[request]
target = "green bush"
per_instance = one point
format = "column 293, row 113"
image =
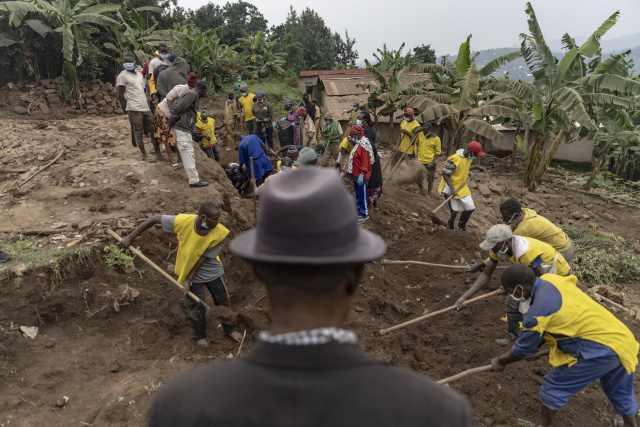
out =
column 277, row 90
column 602, row 260
column 116, row 257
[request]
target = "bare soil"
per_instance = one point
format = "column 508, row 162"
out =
column 110, row 364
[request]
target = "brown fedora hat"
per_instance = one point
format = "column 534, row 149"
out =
column 307, row 217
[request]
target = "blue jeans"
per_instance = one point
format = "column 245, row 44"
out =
column 212, row 152
column 564, row 381
column 269, row 132
column 361, row 198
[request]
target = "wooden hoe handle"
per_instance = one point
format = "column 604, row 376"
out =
column 158, row 269
column 436, row 313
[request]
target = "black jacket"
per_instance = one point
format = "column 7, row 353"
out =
column 323, row 385
column 187, row 108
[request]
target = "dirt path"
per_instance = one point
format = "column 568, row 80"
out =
column 110, row 364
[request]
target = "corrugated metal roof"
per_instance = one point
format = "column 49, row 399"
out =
column 340, row 106
column 353, row 72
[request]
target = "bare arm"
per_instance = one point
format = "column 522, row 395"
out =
column 147, row 224
column 499, row 363
column 120, row 96
column 447, row 179
column 187, row 282
column 480, row 282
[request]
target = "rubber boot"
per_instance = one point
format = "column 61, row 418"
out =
column 507, row 341
column 464, row 217
column 452, row 218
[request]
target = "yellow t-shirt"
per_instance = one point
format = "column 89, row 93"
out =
column 581, row 317
column 404, row 143
column 247, row 104
column 191, row 245
column 459, row 175
column 428, row 148
column 526, row 250
column 208, row 130
column 540, row 228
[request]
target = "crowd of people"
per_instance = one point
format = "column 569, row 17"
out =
column 307, row 369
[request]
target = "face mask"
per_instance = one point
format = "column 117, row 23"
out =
column 355, row 108
column 230, row 100
column 164, row 55
column 524, row 306
column 520, row 299
column 261, row 101
column 243, row 93
column 512, row 219
column 408, row 119
column 472, row 157
column 503, row 251
column 358, row 122
column 205, row 226
column 204, row 120
column 129, row 66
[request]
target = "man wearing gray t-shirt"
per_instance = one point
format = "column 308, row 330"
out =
column 197, row 265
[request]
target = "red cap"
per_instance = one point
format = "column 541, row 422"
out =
column 192, row 79
column 301, row 111
column 476, row 147
column 409, row 112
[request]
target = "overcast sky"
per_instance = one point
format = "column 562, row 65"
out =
column 446, row 24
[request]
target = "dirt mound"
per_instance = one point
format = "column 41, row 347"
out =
column 109, row 363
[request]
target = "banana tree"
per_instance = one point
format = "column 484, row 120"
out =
column 458, row 101
column 259, row 54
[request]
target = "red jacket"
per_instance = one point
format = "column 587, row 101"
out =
column 361, row 163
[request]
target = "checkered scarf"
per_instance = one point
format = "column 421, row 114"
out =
column 366, row 144
column 311, row 337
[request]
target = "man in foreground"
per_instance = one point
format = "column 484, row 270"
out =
column 587, row 342
column 197, row 262
column 184, row 116
column 307, row 371
column 132, row 97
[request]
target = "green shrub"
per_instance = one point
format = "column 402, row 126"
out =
column 116, row 257
column 602, row 260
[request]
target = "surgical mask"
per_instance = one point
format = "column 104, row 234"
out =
column 358, row 122
column 512, row 219
column 164, row 55
column 261, row 101
column 520, row 299
column 205, row 226
column 230, row 100
column 243, row 93
column 355, row 108
column 524, row 306
column 408, row 119
column 472, row 157
column 129, row 66
column 503, row 251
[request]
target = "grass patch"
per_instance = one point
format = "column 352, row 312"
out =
column 31, row 251
column 277, row 91
column 116, row 257
column 601, row 260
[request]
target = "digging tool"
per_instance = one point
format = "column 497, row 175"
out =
column 413, row 138
column 434, row 217
column 253, row 183
column 392, row 153
column 158, row 269
column 481, row 369
column 428, row 264
column 40, row 170
column 436, row 313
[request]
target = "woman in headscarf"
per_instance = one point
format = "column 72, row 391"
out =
column 359, row 170
column 375, row 183
column 292, row 118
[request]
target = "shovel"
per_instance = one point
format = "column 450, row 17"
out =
column 434, row 217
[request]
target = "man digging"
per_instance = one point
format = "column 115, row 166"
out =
column 197, row 263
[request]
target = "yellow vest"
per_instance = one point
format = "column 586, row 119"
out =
column 459, row 176
column 526, row 249
column 152, row 85
column 409, row 127
column 191, row 245
column 540, row 228
column 581, row 317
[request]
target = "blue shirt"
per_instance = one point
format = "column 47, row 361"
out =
column 545, row 301
column 251, row 146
